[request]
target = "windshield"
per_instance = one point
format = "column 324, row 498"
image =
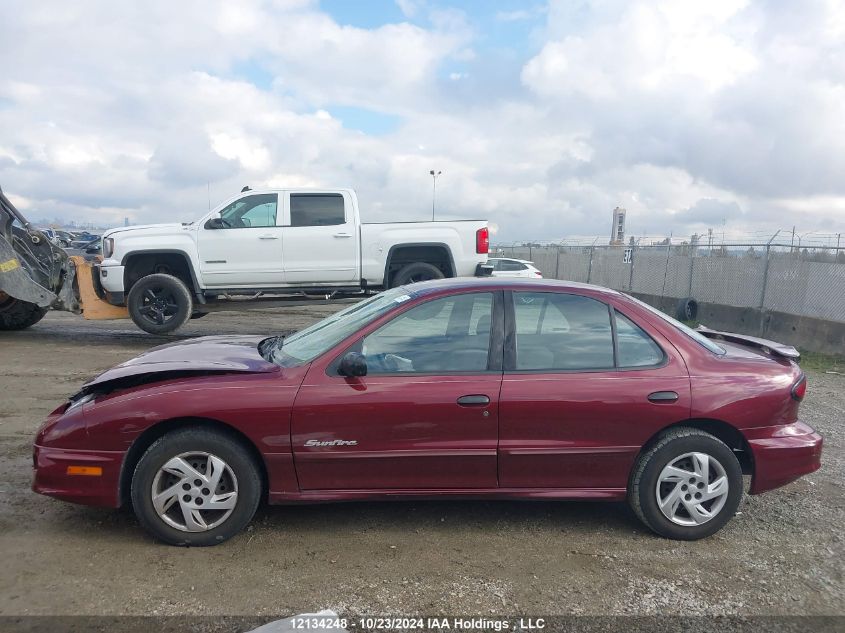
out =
column 307, row 344
column 696, row 336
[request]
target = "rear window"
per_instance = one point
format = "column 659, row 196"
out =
column 696, row 336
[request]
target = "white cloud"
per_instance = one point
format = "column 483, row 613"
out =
column 409, row 8
column 678, row 111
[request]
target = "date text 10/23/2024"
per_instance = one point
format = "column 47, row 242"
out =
column 336, row 623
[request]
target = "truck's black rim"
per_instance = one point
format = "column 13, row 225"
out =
column 158, row 305
column 421, row 276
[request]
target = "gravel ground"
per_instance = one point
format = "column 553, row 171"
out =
column 782, row 555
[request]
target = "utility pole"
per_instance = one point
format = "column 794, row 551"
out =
column 434, row 176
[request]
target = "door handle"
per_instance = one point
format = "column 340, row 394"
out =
column 475, row 400
column 663, row 396
column 268, row 237
column 342, row 235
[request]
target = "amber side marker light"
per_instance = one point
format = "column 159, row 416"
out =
column 90, row 471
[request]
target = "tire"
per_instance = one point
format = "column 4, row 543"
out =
column 19, row 315
column 159, row 303
column 240, row 475
column 672, row 449
column 687, row 309
column 413, row 273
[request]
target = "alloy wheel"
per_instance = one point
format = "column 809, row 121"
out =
column 158, row 304
column 419, row 277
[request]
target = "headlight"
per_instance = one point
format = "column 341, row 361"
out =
column 108, row 247
column 78, row 402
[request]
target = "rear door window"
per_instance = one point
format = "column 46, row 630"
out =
column 558, row 331
column 317, row 209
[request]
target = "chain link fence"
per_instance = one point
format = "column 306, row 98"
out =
column 807, row 281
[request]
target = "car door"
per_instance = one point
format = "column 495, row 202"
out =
column 584, row 387
column 321, row 241
column 425, row 417
column 244, row 249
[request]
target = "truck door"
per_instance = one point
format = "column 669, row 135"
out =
column 321, row 239
column 244, row 247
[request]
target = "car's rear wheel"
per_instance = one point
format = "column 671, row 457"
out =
column 416, row 272
column 195, row 487
column 159, row 303
column 687, row 486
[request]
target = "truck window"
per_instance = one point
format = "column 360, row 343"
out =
column 251, row 211
column 316, row 209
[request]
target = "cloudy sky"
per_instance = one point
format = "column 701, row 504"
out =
column 542, row 116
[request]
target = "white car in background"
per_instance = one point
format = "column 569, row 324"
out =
column 508, row 267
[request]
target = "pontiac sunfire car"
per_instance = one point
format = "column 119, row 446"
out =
column 458, row 388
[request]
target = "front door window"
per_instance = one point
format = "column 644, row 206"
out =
column 442, row 336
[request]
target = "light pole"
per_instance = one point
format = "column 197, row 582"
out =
column 434, row 175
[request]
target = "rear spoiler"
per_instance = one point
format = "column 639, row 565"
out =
column 786, row 351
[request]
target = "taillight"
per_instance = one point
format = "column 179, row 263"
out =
column 537, row 273
column 482, row 241
column 799, row 389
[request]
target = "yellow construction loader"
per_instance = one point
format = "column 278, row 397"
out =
column 36, row 275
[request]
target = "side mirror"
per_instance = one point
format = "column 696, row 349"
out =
column 352, row 365
column 215, row 223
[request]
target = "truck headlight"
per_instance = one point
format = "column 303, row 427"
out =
column 108, row 247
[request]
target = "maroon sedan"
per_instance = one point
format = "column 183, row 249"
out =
column 484, row 388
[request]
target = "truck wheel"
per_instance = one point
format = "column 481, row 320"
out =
column 19, row 315
column 159, row 303
column 418, row 271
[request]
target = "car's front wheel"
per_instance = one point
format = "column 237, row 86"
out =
column 687, row 486
column 195, row 487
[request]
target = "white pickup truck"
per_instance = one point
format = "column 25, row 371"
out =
column 264, row 243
